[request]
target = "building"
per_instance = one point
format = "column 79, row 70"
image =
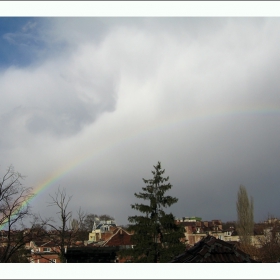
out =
column 120, row 237
column 102, row 231
column 44, row 252
column 104, row 250
column 196, row 229
column 212, row 250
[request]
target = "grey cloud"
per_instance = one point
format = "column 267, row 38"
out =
column 68, row 119
column 198, row 94
column 62, row 115
column 61, row 97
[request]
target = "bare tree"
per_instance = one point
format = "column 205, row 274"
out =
column 89, row 221
column 105, row 217
column 245, row 216
column 81, row 218
column 82, row 233
column 14, row 209
column 62, row 235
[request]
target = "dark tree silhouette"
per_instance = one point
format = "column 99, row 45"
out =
column 156, row 235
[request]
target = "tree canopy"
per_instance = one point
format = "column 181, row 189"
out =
column 245, row 216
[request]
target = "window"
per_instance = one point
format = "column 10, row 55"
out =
column 104, row 228
column 46, row 249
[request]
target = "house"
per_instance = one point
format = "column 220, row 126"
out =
column 196, row 229
column 230, row 236
column 44, row 252
column 213, row 250
column 102, row 231
column 105, row 242
column 117, row 239
column 256, row 239
column 120, row 237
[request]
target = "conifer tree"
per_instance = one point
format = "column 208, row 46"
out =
column 156, row 235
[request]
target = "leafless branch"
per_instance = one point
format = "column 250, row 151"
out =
column 14, row 208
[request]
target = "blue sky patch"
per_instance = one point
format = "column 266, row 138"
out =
column 21, row 42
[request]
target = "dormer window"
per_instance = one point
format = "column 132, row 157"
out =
column 45, row 249
column 105, row 228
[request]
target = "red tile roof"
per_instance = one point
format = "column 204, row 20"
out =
column 119, row 238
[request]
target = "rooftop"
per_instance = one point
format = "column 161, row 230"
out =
column 213, row 250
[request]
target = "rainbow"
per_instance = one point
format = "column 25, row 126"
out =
column 156, row 125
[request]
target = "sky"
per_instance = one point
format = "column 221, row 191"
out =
column 91, row 104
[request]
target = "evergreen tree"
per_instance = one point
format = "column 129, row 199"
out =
column 156, row 235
